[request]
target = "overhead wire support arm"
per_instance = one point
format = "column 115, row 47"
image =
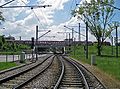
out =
column 75, row 31
column 31, row 6
column 110, row 5
column 45, row 34
column 7, row 3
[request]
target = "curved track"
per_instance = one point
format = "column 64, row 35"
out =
column 75, row 76
column 53, row 72
column 23, row 76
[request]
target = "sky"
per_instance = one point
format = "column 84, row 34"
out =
column 23, row 21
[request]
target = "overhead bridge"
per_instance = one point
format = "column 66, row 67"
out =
column 49, row 43
column 40, row 43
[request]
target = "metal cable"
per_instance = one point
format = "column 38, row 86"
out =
column 7, row 3
column 34, row 14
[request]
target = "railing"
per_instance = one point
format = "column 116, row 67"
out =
column 13, row 58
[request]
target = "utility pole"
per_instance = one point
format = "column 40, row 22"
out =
column 66, row 36
column 86, row 40
column 20, row 38
column 112, row 44
column 69, row 42
column 72, row 34
column 116, row 41
column 36, row 43
column 72, row 31
column 79, row 38
column 74, row 46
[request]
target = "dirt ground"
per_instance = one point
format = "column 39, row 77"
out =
column 109, row 81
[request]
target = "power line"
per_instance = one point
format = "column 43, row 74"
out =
column 75, row 2
column 31, row 6
column 34, row 14
column 69, row 11
column 37, row 18
column 18, row 24
column 75, row 31
column 23, row 2
column 7, row 3
column 111, row 5
column 44, row 17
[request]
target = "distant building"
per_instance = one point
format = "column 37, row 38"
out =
column 10, row 38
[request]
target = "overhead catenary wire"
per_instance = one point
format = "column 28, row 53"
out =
column 44, row 16
column 17, row 24
column 10, row 20
column 75, row 2
column 7, row 3
column 75, row 31
column 70, row 9
column 34, row 14
column 37, row 18
column 110, row 5
column 30, row 6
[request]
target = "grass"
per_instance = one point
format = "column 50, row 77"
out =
column 108, row 62
column 6, row 65
column 9, row 53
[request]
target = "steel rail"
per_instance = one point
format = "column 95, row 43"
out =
column 61, row 75
column 30, row 79
column 13, row 68
column 88, row 71
column 19, row 73
column 74, row 64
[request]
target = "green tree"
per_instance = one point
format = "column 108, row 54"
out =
column 1, row 17
column 1, row 37
column 1, row 44
column 2, row 41
column 98, row 14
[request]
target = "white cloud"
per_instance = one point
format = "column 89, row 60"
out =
column 26, row 26
column 45, row 15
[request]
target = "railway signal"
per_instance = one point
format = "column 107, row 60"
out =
column 32, row 44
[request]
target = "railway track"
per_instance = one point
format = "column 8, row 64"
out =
column 48, row 78
column 23, row 75
column 53, row 72
column 75, row 76
column 93, row 81
column 13, row 70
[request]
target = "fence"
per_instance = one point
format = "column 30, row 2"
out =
column 13, row 58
